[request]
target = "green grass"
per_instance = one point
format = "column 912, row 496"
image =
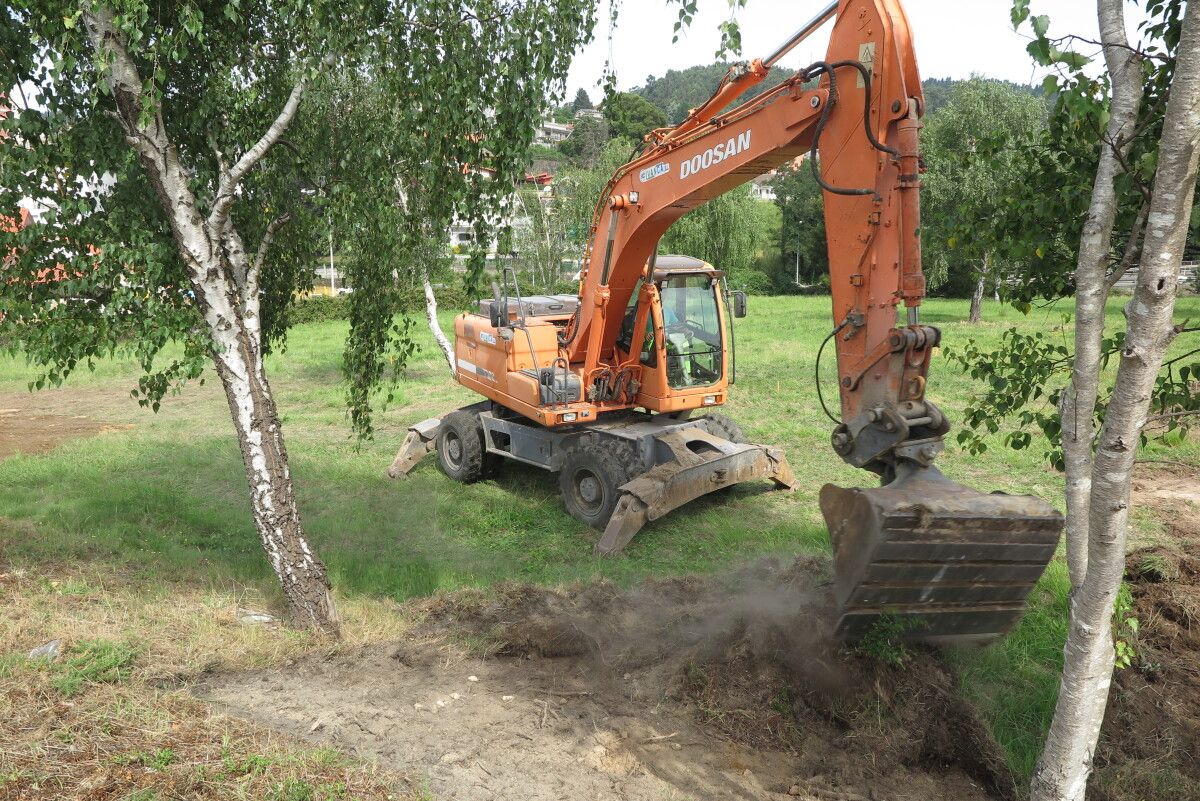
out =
column 93, row 662
column 170, row 494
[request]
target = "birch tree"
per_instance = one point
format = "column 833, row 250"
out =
column 1065, row 765
column 188, row 160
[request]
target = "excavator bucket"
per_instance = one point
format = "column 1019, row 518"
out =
column 937, row 561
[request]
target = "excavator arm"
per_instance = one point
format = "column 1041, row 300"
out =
column 949, row 562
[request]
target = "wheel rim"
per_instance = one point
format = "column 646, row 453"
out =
column 454, row 450
column 588, row 491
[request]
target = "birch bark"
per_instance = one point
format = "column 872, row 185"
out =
column 1078, row 404
column 1066, row 762
column 977, row 298
column 434, row 326
column 225, row 282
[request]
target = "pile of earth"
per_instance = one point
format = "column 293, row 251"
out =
column 688, row 688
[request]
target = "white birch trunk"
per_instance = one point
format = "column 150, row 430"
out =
column 1066, row 762
column 434, row 326
column 226, row 281
column 1078, row 403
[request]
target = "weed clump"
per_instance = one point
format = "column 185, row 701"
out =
column 884, row 641
column 97, row 662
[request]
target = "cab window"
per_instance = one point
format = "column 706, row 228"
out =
column 692, row 329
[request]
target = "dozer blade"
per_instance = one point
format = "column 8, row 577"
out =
column 948, row 563
column 701, row 463
column 421, row 440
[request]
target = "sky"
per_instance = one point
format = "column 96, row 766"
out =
column 954, row 38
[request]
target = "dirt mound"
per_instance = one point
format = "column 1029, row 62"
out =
column 726, row 687
column 21, row 432
column 1150, row 744
column 1173, row 492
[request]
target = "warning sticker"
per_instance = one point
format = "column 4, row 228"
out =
column 866, row 54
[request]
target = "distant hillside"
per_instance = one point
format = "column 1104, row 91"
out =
column 680, row 90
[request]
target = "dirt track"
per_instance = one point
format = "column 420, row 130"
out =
column 22, row 432
column 682, row 689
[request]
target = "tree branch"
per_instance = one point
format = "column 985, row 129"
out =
column 1124, row 45
column 1133, row 248
column 260, row 256
column 233, row 177
column 1172, row 415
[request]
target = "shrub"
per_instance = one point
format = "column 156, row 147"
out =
column 324, row 308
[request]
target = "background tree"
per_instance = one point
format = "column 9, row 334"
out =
column 681, row 90
column 730, row 232
column 961, row 189
column 631, row 116
column 581, row 101
column 578, row 189
column 804, row 260
column 161, row 148
column 539, row 242
column 585, row 144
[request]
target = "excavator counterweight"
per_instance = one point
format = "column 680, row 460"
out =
column 601, row 388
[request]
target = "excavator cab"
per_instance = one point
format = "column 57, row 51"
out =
column 684, row 346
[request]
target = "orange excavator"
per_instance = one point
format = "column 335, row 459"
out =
column 615, row 389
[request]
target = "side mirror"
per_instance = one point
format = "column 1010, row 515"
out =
column 497, row 315
column 739, row 304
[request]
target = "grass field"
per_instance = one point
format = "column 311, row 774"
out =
column 168, row 495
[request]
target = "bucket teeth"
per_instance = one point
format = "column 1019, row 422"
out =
column 948, row 562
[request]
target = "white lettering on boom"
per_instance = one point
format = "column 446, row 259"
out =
column 715, row 155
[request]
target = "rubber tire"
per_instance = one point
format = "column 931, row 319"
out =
column 721, row 426
column 611, row 463
column 473, row 461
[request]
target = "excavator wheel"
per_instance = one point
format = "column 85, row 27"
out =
column 460, row 448
column 721, row 426
column 591, row 477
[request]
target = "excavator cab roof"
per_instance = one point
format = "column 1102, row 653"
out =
column 665, row 266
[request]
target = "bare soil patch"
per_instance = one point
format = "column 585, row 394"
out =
column 727, row 687
column 1172, row 491
column 1150, row 745
column 23, row 432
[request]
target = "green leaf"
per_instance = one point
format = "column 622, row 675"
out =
column 1020, row 12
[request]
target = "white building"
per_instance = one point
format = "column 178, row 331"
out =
column 763, row 187
column 551, row 132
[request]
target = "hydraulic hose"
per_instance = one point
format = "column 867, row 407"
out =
column 825, row 68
